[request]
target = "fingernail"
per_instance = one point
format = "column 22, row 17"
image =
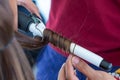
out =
column 75, row 60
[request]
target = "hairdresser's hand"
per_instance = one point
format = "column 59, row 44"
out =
column 28, row 4
column 67, row 71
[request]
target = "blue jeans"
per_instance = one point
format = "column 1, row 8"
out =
column 48, row 64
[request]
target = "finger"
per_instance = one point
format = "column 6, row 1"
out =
column 32, row 8
column 83, row 67
column 61, row 74
column 69, row 70
column 104, row 76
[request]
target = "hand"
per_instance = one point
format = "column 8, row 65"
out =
column 67, row 71
column 28, row 4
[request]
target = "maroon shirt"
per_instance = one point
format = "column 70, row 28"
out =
column 93, row 24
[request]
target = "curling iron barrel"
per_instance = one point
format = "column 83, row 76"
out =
column 26, row 23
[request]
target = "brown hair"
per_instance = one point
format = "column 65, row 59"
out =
column 29, row 42
column 13, row 62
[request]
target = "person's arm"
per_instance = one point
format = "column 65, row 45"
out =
column 67, row 70
column 28, row 4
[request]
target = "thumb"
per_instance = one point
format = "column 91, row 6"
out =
column 89, row 72
column 83, row 67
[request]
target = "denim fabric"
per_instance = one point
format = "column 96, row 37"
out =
column 48, row 64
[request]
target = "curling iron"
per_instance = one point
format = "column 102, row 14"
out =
column 37, row 27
